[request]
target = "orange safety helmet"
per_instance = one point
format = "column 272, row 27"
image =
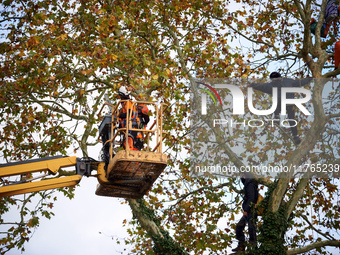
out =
column 142, row 110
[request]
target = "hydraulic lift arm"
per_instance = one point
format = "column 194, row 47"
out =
column 51, row 165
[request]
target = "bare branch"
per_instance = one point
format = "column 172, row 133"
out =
column 229, row 184
column 8, row 19
column 312, row 226
column 61, row 109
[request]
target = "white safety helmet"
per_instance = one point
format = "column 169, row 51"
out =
column 123, row 92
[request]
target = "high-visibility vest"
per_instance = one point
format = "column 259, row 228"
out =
column 126, row 106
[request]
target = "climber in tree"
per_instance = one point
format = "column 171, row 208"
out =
column 249, row 213
column 278, row 82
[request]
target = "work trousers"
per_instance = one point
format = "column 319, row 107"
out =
column 251, row 230
column 291, row 116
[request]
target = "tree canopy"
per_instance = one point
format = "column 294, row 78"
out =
column 60, row 58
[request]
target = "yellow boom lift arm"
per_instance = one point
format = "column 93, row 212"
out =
column 50, row 165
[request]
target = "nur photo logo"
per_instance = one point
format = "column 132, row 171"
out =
column 238, row 99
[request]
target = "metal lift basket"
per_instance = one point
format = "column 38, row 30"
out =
column 130, row 173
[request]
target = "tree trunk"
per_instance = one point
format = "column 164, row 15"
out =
column 163, row 243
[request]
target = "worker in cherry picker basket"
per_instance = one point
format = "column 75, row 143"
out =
column 139, row 119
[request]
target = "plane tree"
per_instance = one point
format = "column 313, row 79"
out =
column 60, row 58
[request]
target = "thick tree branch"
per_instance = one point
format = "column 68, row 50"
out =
column 334, row 115
column 298, row 193
column 300, row 9
column 148, row 224
column 313, row 134
column 334, row 243
column 333, row 73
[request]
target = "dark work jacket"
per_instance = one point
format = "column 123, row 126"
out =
column 250, row 192
column 280, row 83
